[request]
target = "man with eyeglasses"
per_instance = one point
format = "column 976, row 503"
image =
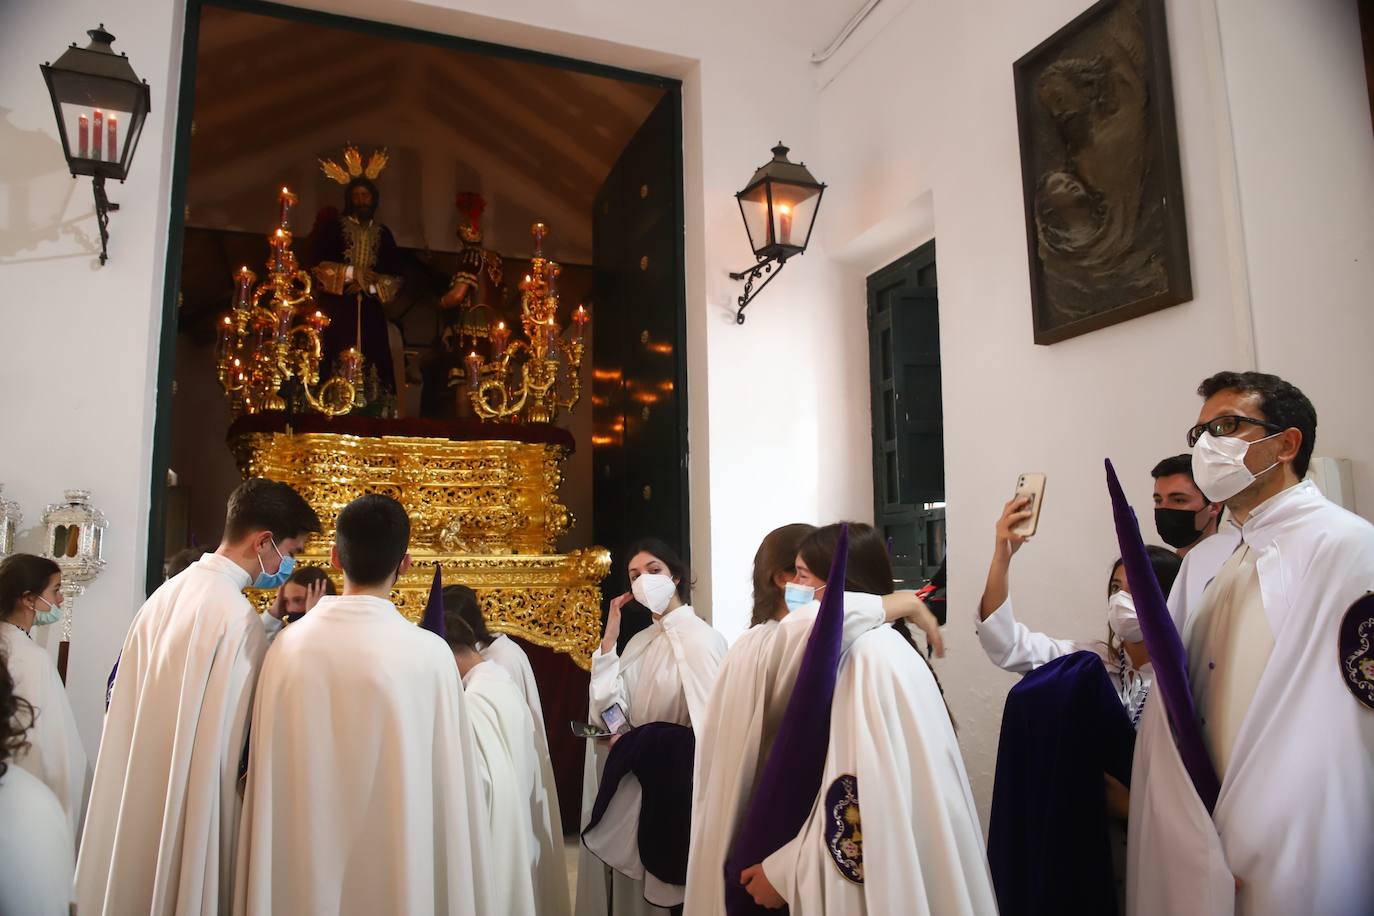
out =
column 1283, row 722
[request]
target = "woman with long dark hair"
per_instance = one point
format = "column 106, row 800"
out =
column 664, row 675
column 37, row 852
column 31, row 596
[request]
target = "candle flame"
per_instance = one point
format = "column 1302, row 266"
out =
column 784, row 209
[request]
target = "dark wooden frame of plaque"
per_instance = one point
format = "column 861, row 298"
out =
column 1163, row 139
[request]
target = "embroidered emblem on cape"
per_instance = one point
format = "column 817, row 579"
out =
column 843, row 832
column 1357, row 649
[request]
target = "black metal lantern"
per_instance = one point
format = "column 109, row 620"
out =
column 779, row 207
column 100, row 105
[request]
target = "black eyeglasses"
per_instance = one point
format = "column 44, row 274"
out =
column 1225, row 426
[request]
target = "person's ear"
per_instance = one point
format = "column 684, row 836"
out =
column 404, row 567
column 334, row 557
column 781, row 579
column 1290, row 441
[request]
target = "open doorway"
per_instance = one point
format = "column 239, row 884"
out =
column 594, row 153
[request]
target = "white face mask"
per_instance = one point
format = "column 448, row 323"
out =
column 654, row 591
column 1219, row 466
column 1121, row 617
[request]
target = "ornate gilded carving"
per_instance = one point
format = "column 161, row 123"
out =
column 487, row 511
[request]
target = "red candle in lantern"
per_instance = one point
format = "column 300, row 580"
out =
column 84, row 137
column 580, row 320
column 114, row 140
column 98, row 122
column 550, row 332
column 784, row 224
column 474, row 367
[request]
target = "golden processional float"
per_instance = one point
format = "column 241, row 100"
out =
column 482, row 494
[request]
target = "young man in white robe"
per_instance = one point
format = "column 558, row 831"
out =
column 163, row 819
column 665, row 674
column 361, row 795
column 508, row 772
column 31, row 596
column 1286, row 725
column 551, row 875
column 751, row 694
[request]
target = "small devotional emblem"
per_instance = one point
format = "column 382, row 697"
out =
column 844, row 831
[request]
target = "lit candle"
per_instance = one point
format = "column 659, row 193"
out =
column 279, row 251
column 580, row 320
column 550, row 332
column 499, row 335
column 784, row 224
column 114, row 140
column 287, row 200
column 98, row 122
column 226, row 337
column 84, row 137
column 245, row 278
column 474, row 367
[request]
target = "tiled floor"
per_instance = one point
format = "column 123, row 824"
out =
column 570, row 848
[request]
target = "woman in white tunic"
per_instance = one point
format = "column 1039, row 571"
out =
column 31, row 595
column 751, row 694
column 1013, row 646
column 37, row 854
column 664, row 675
column 915, row 846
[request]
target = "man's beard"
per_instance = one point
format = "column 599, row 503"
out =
column 364, row 214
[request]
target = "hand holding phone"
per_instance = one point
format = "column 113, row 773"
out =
column 1031, row 487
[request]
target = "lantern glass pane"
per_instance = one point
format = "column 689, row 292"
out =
column 753, row 204
column 98, row 134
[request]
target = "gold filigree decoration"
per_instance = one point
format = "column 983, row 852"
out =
column 486, row 511
column 353, row 165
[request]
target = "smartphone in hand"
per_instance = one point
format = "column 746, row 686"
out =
column 1031, row 486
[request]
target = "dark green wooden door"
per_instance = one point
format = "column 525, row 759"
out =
column 908, row 416
column 639, row 407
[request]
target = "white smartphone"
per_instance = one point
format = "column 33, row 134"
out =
column 1031, row 486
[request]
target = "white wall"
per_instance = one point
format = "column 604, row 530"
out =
column 915, row 134
column 926, row 114
column 1304, row 159
column 79, row 361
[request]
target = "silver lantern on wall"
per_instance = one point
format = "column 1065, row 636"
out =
column 10, row 517
column 76, row 542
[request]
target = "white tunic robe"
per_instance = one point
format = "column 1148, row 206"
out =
column 54, row 753
column 362, row 796
column 551, row 877
column 1012, row 646
column 1206, row 558
column 1295, row 818
column 36, row 848
column 163, row 820
column 742, row 719
column 504, row 738
column 665, row 675
column 921, row 851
